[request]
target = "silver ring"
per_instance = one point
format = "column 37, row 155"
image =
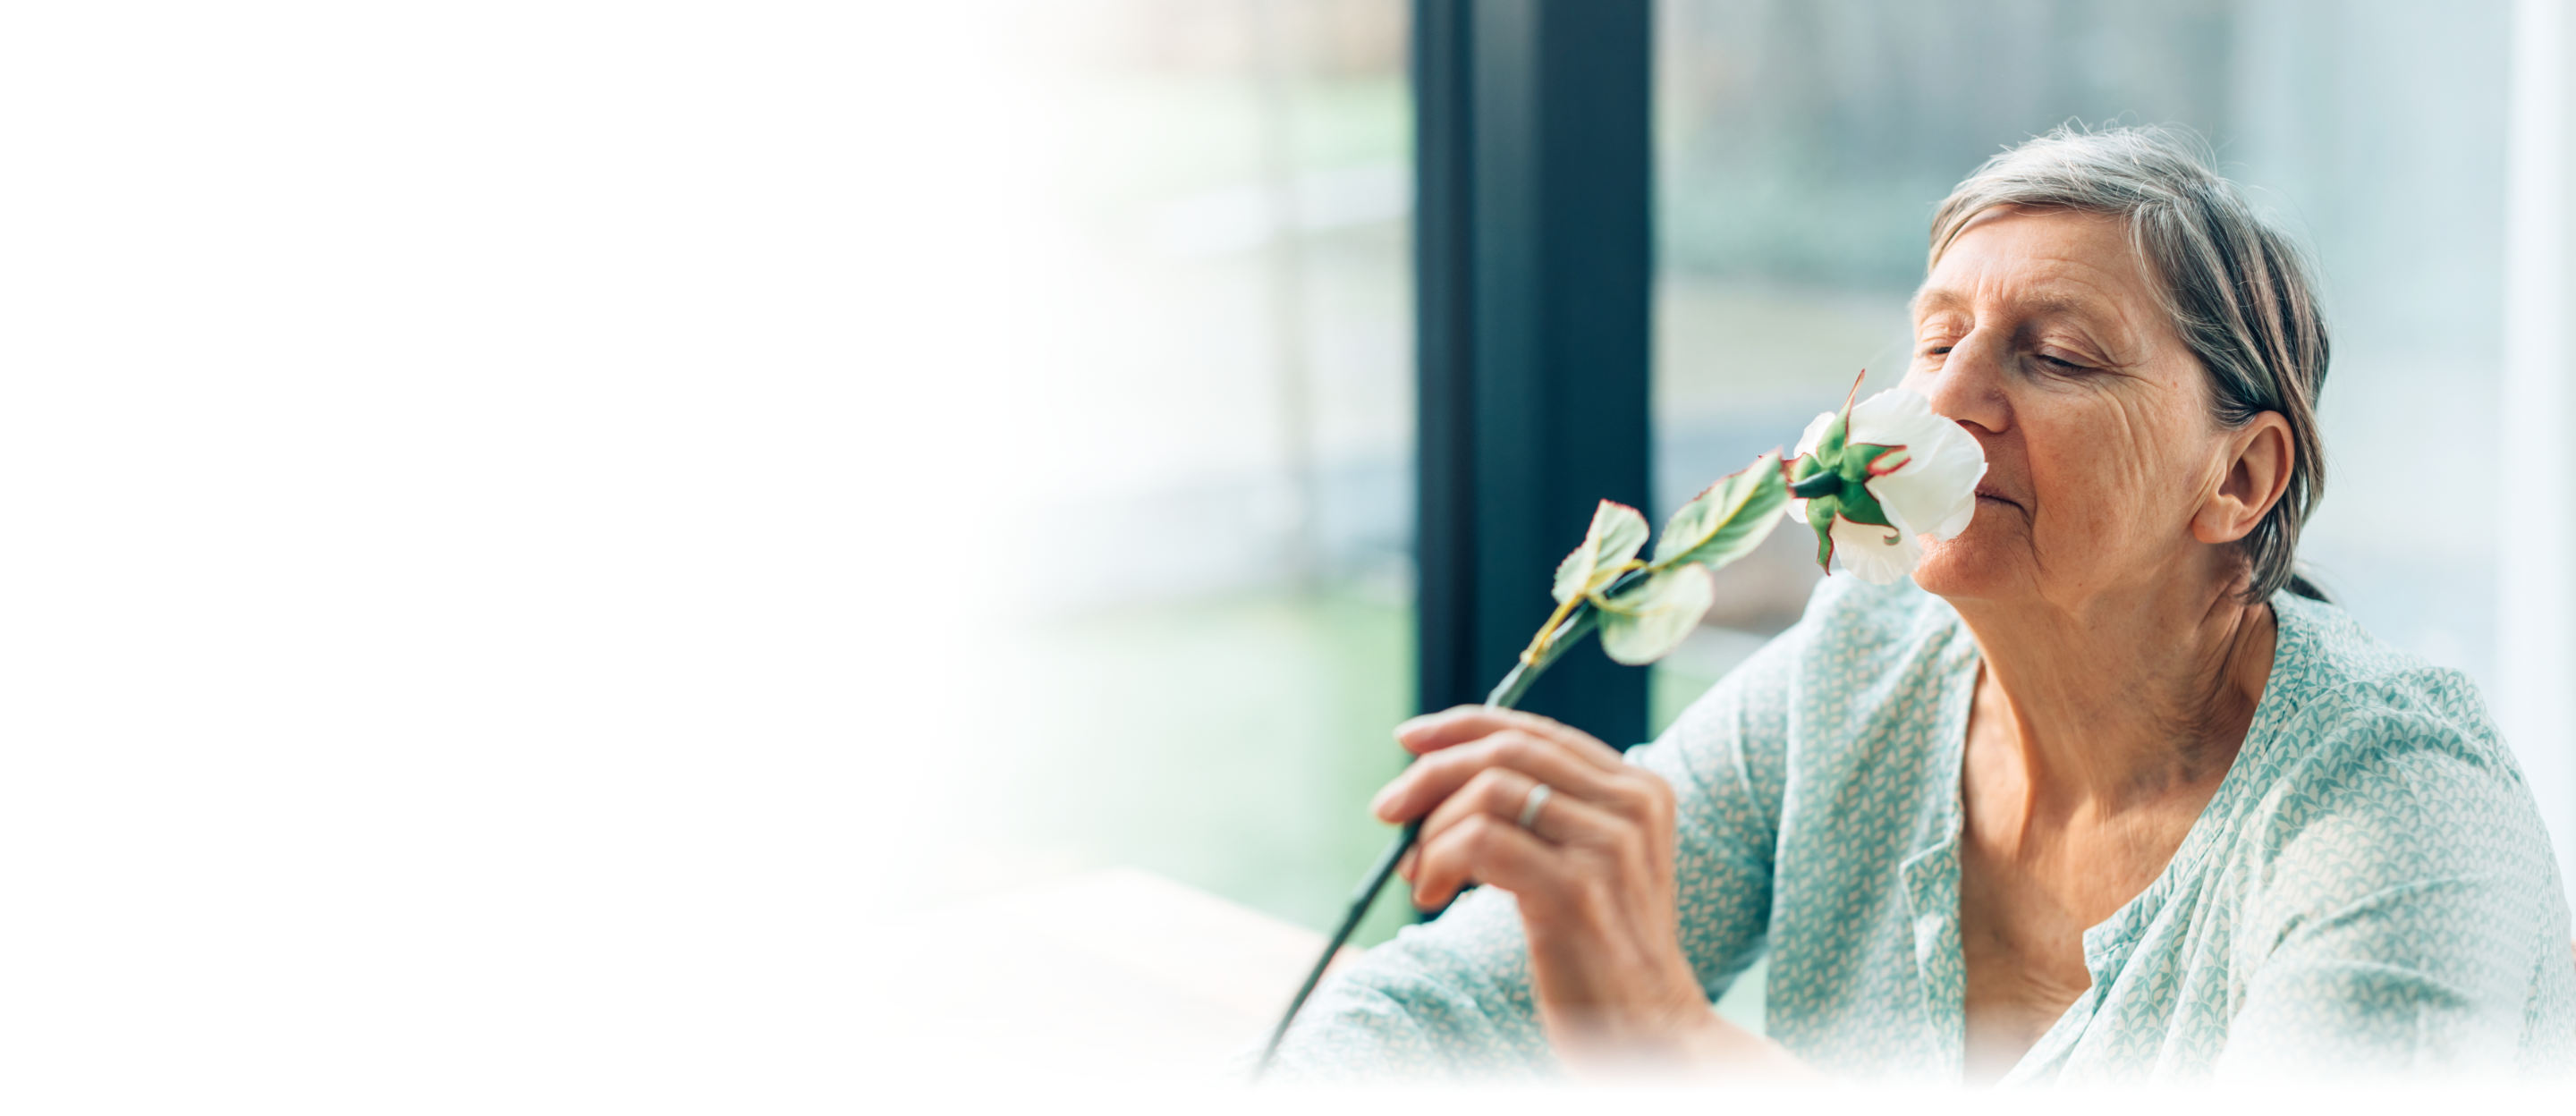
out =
column 1536, row 802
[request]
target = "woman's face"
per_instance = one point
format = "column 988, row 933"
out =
column 2039, row 332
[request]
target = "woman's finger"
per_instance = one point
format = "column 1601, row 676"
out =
column 1498, row 791
column 1466, row 724
column 1503, row 793
column 1484, row 847
column 1435, row 777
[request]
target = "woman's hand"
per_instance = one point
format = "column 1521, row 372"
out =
column 1593, row 872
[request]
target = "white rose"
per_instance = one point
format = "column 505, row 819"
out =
column 1930, row 486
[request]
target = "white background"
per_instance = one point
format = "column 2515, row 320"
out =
column 474, row 480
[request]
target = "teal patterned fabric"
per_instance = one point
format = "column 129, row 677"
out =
column 2369, row 891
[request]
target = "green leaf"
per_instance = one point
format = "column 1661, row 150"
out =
column 1649, row 621
column 1727, row 521
column 1617, row 533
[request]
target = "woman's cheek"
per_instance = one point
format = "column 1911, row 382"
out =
column 2138, row 456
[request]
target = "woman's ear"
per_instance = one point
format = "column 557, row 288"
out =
column 2258, row 472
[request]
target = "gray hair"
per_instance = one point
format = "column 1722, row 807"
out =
column 2236, row 288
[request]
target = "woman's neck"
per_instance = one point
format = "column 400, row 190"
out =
column 2125, row 698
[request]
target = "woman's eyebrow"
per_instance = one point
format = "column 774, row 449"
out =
column 2099, row 320
column 2071, row 304
column 1935, row 298
column 2088, row 307
column 2104, row 321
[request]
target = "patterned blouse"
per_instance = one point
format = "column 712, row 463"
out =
column 2369, row 889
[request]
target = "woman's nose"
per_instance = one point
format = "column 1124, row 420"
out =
column 1969, row 386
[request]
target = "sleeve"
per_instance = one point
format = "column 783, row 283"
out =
column 1726, row 760
column 1451, row 999
column 1446, row 1000
column 2407, row 915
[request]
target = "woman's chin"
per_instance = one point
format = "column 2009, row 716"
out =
column 1966, row 567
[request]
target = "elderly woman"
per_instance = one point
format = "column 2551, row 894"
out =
column 2107, row 794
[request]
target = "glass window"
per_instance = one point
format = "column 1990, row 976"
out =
column 1802, row 145
column 1211, row 416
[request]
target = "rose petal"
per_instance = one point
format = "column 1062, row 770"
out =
column 1875, row 554
column 1935, row 491
column 1815, row 433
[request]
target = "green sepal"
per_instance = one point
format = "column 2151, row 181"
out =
column 1829, row 445
column 1859, row 504
column 1820, row 518
column 1856, row 503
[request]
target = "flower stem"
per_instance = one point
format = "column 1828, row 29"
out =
column 1539, row 644
column 1549, row 647
column 1564, row 628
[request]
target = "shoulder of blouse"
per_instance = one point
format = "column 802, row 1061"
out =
column 2332, row 681
column 2378, row 773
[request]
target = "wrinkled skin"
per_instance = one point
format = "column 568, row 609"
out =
column 2040, row 334
column 2101, row 580
column 2121, row 670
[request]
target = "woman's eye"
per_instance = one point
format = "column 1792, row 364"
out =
column 2061, row 364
